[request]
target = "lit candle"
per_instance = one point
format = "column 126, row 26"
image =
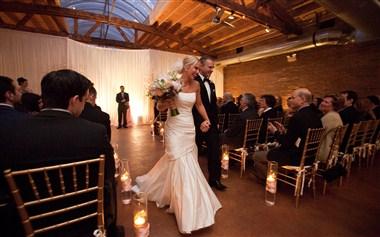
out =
column 271, row 183
column 225, row 156
column 125, row 181
column 140, row 219
column 152, row 129
column 162, row 131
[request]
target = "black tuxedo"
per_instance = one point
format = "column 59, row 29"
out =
column 228, row 108
column 53, row 137
column 289, row 153
column 211, row 137
column 122, row 108
column 264, row 126
column 94, row 114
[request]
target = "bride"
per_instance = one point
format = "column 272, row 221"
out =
column 177, row 180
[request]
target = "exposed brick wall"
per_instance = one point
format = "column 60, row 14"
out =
column 324, row 70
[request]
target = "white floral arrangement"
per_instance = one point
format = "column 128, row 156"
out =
column 164, row 87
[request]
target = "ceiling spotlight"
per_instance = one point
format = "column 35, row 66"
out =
column 267, row 29
column 231, row 17
column 73, row 7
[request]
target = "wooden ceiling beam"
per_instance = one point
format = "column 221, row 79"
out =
column 255, row 16
column 75, row 26
column 24, row 20
column 92, row 29
column 59, row 24
column 34, row 30
column 122, row 33
column 71, row 13
column 283, row 15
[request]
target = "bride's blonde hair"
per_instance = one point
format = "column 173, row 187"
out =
column 186, row 63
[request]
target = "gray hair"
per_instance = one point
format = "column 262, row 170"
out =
column 227, row 97
column 305, row 94
column 250, row 99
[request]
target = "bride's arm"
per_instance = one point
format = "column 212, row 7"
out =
column 199, row 106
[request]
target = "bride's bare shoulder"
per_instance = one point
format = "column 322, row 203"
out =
column 196, row 86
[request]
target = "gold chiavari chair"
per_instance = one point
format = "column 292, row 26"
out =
column 333, row 156
column 359, row 150
column 269, row 136
column 348, row 154
column 303, row 171
column 251, row 136
column 221, row 119
column 369, row 145
column 232, row 119
column 66, row 192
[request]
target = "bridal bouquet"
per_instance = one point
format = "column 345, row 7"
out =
column 165, row 87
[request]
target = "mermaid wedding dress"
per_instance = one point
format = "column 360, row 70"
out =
column 177, row 180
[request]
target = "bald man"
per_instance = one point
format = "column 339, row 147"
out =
column 291, row 140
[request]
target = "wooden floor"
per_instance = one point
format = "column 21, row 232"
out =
column 350, row 210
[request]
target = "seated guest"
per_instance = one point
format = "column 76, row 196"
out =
column 94, row 114
column 30, row 103
column 9, row 96
column 228, row 107
column 56, row 135
column 266, row 104
column 374, row 106
column 348, row 113
column 291, row 141
column 235, row 136
column 330, row 121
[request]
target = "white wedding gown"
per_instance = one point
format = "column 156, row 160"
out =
column 177, row 180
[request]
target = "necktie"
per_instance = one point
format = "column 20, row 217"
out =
column 206, row 80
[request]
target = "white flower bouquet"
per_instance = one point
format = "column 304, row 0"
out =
column 166, row 87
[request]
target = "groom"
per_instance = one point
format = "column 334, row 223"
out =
column 206, row 66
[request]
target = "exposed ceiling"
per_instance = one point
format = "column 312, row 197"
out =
column 219, row 28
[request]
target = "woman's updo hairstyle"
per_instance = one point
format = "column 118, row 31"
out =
column 186, row 63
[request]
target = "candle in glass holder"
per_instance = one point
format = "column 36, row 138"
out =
column 225, row 161
column 271, row 183
column 125, row 179
column 152, row 129
column 140, row 219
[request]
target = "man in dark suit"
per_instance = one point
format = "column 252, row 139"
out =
column 348, row 113
column 9, row 96
column 208, row 95
column 228, row 107
column 266, row 103
column 57, row 136
column 293, row 139
column 234, row 136
column 122, row 98
column 95, row 114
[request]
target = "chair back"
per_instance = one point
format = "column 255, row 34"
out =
column 221, row 119
column 232, row 119
column 352, row 137
column 360, row 134
column 269, row 136
column 311, row 147
column 163, row 116
column 251, row 134
column 51, row 197
column 370, row 131
column 333, row 155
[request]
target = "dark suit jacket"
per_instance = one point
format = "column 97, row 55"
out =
column 54, row 137
column 119, row 98
column 301, row 121
column 9, row 114
column 210, row 106
column 235, row 135
column 229, row 108
column 349, row 115
column 263, row 130
column 92, row 113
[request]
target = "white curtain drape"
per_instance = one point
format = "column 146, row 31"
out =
column 32, row 55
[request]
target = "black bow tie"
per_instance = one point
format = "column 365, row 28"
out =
column 206, row 80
